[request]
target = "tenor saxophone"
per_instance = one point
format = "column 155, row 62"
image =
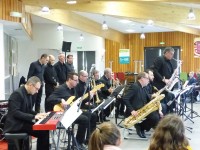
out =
column 97, row 96
column 153, row 105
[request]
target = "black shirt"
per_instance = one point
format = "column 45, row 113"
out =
column 36, row 69
column 50, row 76
column 70, row 68
column 61, row 70
column 107, row 85
column 62, row 92
column 136, row 97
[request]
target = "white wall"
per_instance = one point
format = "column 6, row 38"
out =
column 47, row 37
column 2, row 72
column 90, row 43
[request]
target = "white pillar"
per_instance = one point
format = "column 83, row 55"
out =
column 2, row 72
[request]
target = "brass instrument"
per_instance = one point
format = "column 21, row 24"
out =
column 153, row 105
column 97, row 96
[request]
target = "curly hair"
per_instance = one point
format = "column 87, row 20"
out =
column 169, row 134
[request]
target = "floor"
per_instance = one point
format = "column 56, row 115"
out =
column 138, row 144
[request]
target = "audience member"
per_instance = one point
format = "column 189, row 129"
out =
column 169, row 135
column 105, row 137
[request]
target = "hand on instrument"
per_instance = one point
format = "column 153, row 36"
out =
column 110, row 90
column 64, row 103
column 134, row 113
column 91, row 94
column 40, row 116
column 161, row 114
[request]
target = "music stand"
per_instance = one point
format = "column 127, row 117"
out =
column 67, row 120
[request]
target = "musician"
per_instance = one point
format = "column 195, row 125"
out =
column 106, row 91
column 50, row 78
column 85, row 88
column 37, row 69
column 135, row 98
column 60, row 95
column 163, row 68
column 61, row 69
column 21, row 117
column 152, row 90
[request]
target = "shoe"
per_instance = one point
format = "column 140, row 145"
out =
column 143, row 133
column 120, row 116
column 104, row 119
column 80, row 147
column 138, row 131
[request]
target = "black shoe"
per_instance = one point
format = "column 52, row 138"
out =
column 143, row 133
column 138, row 131
column 120, row 116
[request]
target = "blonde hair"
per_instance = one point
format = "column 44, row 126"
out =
column 105, row 134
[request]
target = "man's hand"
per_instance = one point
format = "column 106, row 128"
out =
column 110, row 90
column 134, row 113
column 64, row 104
column 40, row 116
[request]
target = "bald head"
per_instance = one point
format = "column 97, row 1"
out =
column 51, row 59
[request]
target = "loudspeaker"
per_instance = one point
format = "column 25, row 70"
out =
column 66, row 47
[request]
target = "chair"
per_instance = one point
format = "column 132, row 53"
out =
column 18, row 141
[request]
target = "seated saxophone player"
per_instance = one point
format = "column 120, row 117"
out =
column 163, row 69
column 106, row 91
column 62, row 95
column 152, row 91
column 136, row 98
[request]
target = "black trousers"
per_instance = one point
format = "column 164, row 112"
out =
column 151, row 121
column 86, row 122
column 37, row 99
column 42, row 136
column 169, row 97
column 49, row 88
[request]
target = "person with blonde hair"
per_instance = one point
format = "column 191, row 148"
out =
column 169, row 135
column 106, row 137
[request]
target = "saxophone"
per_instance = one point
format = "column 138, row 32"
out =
column 174, row 78
column 153, row 105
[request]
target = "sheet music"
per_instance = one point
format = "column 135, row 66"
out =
column 96, row 108
column 71, row 114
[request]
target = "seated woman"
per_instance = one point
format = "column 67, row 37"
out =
column 169, row 135
column 105, row 137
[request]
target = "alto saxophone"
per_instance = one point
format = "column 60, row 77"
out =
column 153, row 105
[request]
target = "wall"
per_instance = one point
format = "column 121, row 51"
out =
column 90, row 43
column 136, row 46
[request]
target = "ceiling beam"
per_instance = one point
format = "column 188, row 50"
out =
column 77, row 22
column 156, row 11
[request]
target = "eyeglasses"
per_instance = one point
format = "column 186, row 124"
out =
column 35, row 87
column 75, row 80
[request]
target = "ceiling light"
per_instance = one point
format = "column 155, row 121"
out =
column 130, row 30
column 104, row 26
column 125, row 21
column 60, row 27
column 142, row 36
column 150, row 22
column 71, row 2
column 45, row 9
column 191, row 15
column 81, row 37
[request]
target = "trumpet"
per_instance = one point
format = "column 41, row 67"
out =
column 97, row 96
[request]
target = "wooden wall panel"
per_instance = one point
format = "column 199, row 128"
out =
column 6, row 6
column 136, row 46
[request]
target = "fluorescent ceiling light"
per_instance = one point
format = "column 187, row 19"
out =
column 130, row 30
column 71, row 2
column 125, row 21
